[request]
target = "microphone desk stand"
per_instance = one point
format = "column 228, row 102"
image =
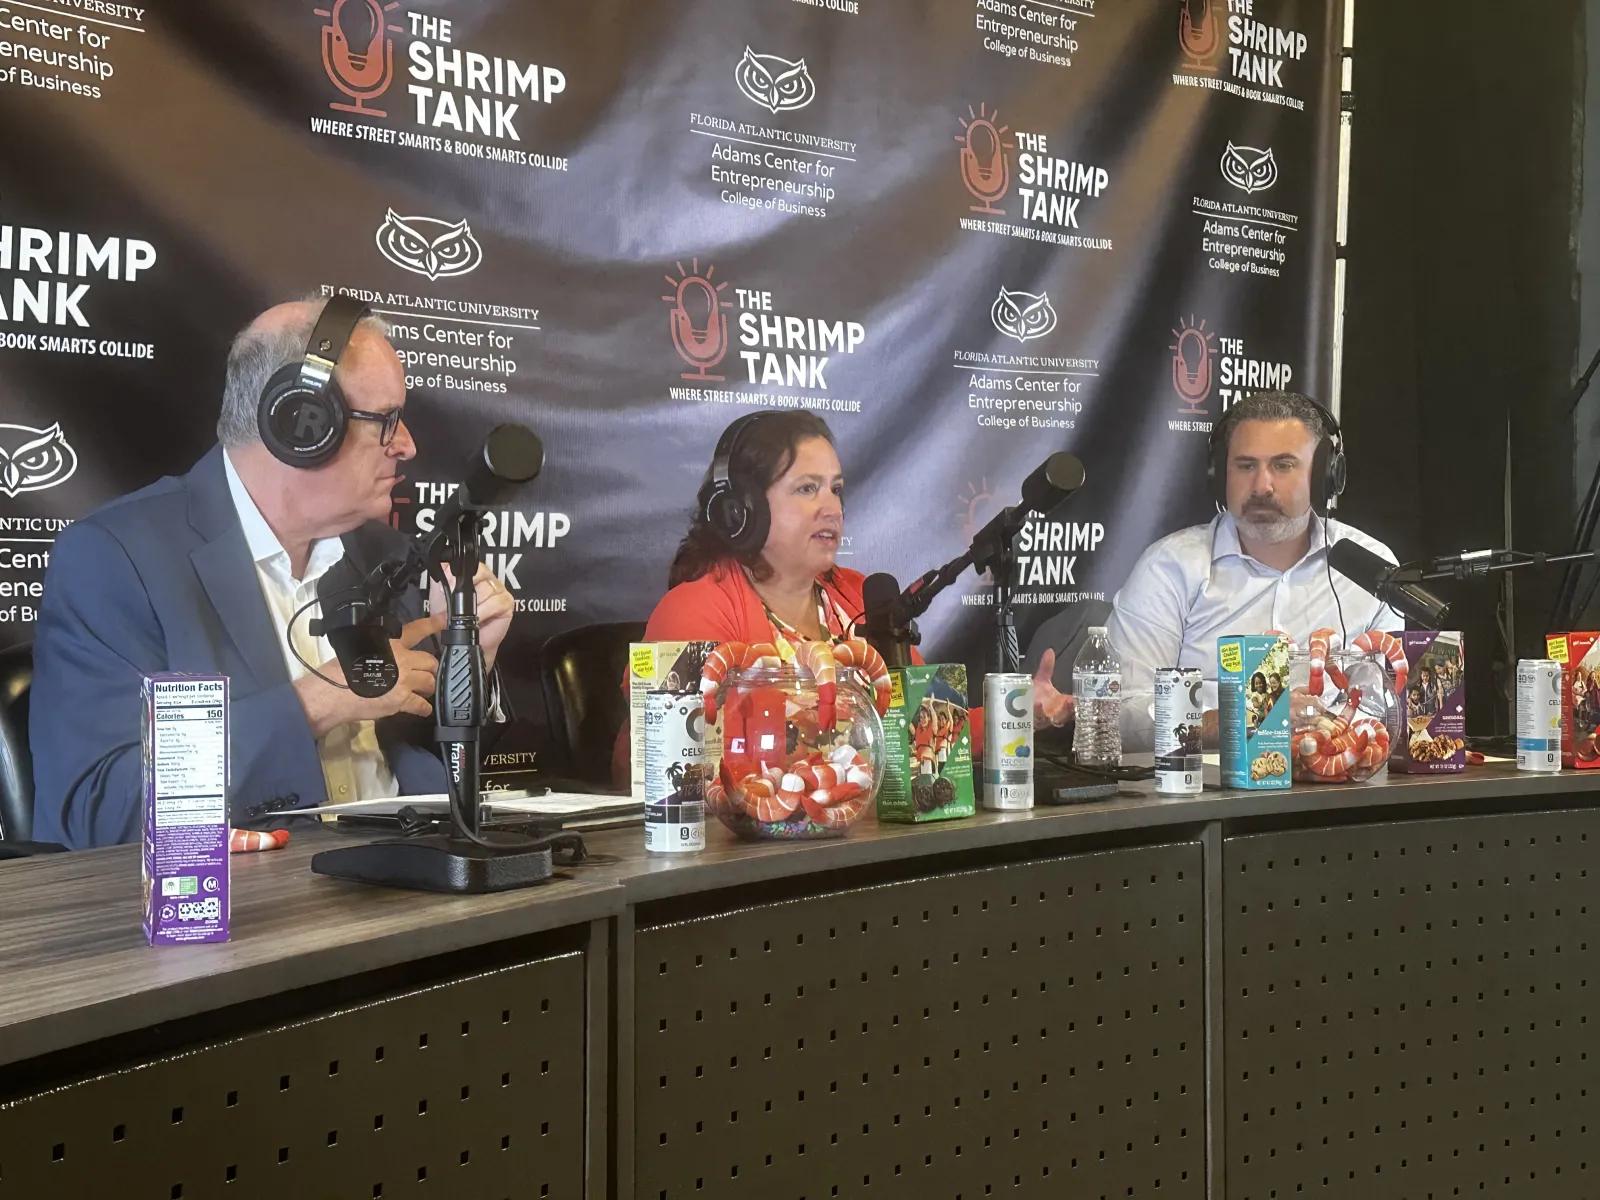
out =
column 999, row 557
column 469, row 859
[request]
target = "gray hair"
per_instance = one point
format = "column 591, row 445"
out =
column 1278, row 406
column 256, row 355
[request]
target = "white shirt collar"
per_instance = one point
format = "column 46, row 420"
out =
column 1225, row 539
column 265, row 548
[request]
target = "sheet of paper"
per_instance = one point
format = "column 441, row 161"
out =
column 549, row 804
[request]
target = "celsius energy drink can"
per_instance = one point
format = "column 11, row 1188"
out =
column 1538, row 715
column 1008, row 742
column 674, row 772
column 1179, row 715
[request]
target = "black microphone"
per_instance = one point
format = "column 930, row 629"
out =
column 1052, row 482
column 511, row 456
column 887, row 628
column 360, row 623
column 1361, row 566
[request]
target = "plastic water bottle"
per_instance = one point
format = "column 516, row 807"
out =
column 1097, row 702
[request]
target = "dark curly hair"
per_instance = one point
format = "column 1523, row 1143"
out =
column 766, row 450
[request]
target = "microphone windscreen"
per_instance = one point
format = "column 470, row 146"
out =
column 1056, row 478
column 878, row 594
column 1358, row 564
column 511, row 455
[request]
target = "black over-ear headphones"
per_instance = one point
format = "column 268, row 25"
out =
column 1328, row 465
column 302, row 414
column 735, row 506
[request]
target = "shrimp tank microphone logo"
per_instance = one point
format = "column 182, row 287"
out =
column 428, row 246
column 777, row 84
column 357, row 54
column 32, row 460
column 699, row 326
column 978, row 505
column 985, row 167
column 1194, row 358
column 1248, row 169
column 1200, row 33
column 1023, row 315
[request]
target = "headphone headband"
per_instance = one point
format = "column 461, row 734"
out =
column 332, row 333
column 1223, row 429
column 1329, row 466
column 728, row 445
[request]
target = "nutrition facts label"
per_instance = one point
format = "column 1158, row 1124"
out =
column 189, row 752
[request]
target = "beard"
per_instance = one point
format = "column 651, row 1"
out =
column 1265, row 521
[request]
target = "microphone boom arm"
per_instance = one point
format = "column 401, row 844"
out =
column 1492, row 563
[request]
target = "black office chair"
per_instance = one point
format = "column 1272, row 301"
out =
column 582, row 672
column 16, row 763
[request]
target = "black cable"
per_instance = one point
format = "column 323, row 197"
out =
column 1069, row 762
column 288, row 636
column 458, row 813
column 1344, row 633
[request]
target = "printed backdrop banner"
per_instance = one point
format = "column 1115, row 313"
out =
column 969, row 233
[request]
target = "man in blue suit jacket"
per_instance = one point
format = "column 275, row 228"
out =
column 200, row 574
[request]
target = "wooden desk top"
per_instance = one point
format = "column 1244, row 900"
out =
column 76, row 967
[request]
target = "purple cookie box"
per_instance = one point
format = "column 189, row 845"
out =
column 1441, row 655
column 184, row 862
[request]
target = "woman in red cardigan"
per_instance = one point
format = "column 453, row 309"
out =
column 758, row 562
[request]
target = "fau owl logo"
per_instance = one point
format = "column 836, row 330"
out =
column 777, row 84
column 1248, row 169
column 32, row 460
column 1023, row 315
column 428, row 246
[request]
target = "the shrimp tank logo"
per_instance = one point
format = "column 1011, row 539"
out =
column 776, row 84
column 1200, row 33
column 699, row 326
column 1194, row 357
column 428, row 246
column 985, row 165
column 358, row 54
column 978, row 505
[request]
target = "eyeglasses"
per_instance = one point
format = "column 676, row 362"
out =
column 390, row 419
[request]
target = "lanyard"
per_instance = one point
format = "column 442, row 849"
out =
column 786, row 637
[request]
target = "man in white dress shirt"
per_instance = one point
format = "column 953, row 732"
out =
column 1276, row 459
column 202, row 573
column 1261, row 563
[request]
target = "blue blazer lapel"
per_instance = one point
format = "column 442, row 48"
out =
column 229, row 576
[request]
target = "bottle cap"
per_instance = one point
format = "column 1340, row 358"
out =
column 1097, row 631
